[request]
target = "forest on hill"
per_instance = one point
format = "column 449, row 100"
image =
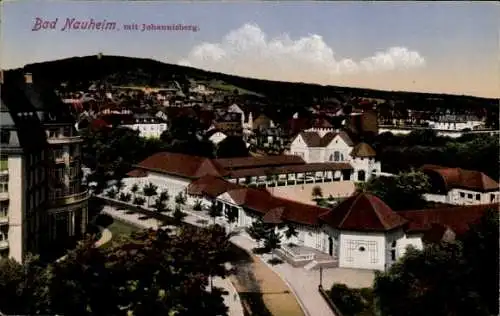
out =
column 118, row 70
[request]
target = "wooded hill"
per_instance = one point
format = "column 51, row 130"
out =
column 128, row 71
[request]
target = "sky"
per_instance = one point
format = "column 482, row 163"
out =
column 441, row 47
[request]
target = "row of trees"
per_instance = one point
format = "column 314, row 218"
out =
column 150, row 273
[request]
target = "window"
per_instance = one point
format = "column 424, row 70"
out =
column 4, row 186
column 361, row 175
column 469, row 196
column 361, row 249
column 336, row 156
column 478, row 197
column 462, row 195
column 393, row 251
column 492, row 197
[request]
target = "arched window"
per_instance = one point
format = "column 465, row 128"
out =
column 330, row 158
column 361, row 175
column 393, row 251
column 336, row 156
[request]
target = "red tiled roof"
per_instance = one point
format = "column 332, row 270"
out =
column 137, row 173
column 210, row 186
column 363, row 212
column 458, row 218
column 363, row 150
column 181, row 165
column 461, row 178
column 295, row 212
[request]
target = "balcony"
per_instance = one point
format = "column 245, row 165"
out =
column 4, row 244
column 70, row 199
column 4, row 219
column 4, row 196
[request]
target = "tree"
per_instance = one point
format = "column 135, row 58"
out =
column 180, row 199
column 231, row 147
column 111, row 193
column 159, row 205
column 119, row 185
column 125, row 197
column 134, row 189
column 258, row 230
column 434, row 281
column 197, row 205
column 231, row 215
column 150, row 273
column 349, row 301
column 291, row 231
column 164, row 196
column 272, row 240
column 402, row 192
column 139, row 201
column 482, row 255
column 317, row 193
column 178, row 214
column 214, row 211
column 149, row 191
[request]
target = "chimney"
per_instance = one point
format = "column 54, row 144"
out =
column 28, row 78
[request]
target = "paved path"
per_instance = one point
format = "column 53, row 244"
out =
column 106, row 236
column 231, row 300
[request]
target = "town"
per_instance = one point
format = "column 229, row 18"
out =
column 307, row 195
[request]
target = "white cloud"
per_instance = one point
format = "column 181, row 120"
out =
column 248, row 52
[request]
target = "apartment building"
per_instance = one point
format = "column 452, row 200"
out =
column 43, row 204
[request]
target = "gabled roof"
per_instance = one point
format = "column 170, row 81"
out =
column 210, row 186
column 363, row 150
column 312, row 139
column 181, row 165
column 461, row 178
column 363, row 212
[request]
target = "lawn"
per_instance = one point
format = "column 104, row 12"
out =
column 121, row 228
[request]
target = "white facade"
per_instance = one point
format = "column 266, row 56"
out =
column 464, row 197
column 217, row 137
column 148, row 130
column 338, row 150
column 455, row 126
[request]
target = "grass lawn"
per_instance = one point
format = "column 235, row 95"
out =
column 121, row 228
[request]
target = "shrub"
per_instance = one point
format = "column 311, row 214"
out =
column 125, row 197
column 197, row 205
column 139, row 201
column 349, row 301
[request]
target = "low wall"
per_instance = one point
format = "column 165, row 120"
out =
column 329, row 301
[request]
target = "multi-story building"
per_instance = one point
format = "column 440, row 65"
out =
column 43, row 201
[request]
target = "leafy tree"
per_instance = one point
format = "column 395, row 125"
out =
column 402, row 192
column 272, row 240
column 197, row 205
column 139, row 201
column 349, row 301
column 429, row 282
column 180, row 199
column 482, row 255
column 111, row 193
column 231, row 147
column 149, row 191
column 231, row 215
column 164, row 196
column 119, row 185
column 214, row 211
column 317, row 193
column 159, row 205
column 291, row 231
column 258, row 230
column 125, row 197
column 178, row 214
column 134, row 189
column 150, row 273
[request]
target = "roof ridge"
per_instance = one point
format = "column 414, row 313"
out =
column 356, row 198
